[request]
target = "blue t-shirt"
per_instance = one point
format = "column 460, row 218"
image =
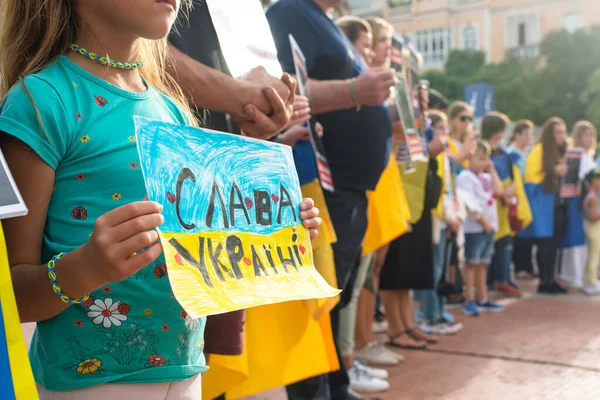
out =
column 127, row 332
column 357, row 144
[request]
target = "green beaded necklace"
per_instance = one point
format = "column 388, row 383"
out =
column 104, row 61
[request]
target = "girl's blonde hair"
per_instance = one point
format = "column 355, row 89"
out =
column 34, row 33
column 578, row 131
column 436, row 116
column 377, row 25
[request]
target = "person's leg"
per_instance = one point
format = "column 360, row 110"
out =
column 348, row 314
column 481, row 292
column 391, row 302
column 522, row 256
column 365, row 316
column 592, row 232
column 501, row 260
column 398, row 329
column 429, row 298
column 469, row 276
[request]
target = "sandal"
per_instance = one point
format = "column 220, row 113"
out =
column 413, row 345
column 419, row 335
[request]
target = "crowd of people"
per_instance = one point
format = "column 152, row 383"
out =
column 399, row 244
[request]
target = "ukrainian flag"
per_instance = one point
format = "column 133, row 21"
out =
column 389, row 212
column 16, row 378
column 285, row 342
column 508, row 171
column 542, row 203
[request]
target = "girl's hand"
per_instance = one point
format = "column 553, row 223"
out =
column 561, row 169
column 123, row 242
column 309, row 215
column 301, row 112
column 294, row 134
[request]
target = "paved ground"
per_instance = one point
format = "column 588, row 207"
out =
column 541, row 348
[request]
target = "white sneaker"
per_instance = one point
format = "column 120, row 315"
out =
column 374, row 372
column 442, row 329
column 380, row 327
column 591, row 289
column 378, row 355
column 363, row 382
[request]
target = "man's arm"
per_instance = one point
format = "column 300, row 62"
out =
column 248, row 101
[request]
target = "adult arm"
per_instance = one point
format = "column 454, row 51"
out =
column 261, row 105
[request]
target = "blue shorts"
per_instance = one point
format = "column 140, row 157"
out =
column 479, row 248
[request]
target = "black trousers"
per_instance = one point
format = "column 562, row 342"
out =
column 547, row 248
column 522, row 255
column 348, row 211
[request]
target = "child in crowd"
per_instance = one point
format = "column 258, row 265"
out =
column 480, row 180
column 591, row 208
column 67, row 123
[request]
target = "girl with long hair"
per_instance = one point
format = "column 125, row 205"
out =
column 544, row 169
column 74, row 74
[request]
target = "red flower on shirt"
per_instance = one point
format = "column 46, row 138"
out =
column 78, row 117
column 100, row 101
column 157, row 360
column 81, row 177
column 183, row 314
column 164, row 327
column 124, row 308
column 78, row 323
column 107, row 289
column 89, row 301
column 133, row 165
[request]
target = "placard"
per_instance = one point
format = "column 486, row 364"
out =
column 255, row 47
column 316, row 142
column 11, row 202
column 412, row 149
column 570, row 183
column 232, row 236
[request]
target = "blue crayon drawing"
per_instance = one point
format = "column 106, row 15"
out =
column 211, row 181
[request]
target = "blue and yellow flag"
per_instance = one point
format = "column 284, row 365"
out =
column 508, row 172
column 541, row 202
column 16, row 378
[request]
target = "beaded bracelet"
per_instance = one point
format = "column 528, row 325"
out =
column 353, row 93
column 56, row 286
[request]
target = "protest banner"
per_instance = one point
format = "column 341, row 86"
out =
column 232, row 236
column 411, row 149
column 570, row 184
column 317, row 144
column 255, row 47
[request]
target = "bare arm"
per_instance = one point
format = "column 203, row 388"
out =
column 592, row 205
column 35, row 298
column 497, row 185
column 326, row 96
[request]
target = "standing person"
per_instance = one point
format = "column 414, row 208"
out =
column 520, row 145
column 348, row 100
column 493, row 128
column 591, row 209
column 363, row 378
column 573, row 247
column 482, row 182
column 543, row 171
column 445, row 216
column 58, row 118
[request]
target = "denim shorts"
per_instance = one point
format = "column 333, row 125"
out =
column 479, row 248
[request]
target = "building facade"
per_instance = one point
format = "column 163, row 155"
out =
column 497, row 27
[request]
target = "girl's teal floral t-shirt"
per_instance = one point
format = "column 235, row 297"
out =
column 126, row 332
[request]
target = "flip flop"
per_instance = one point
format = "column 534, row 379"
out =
column 392, row 343
column 424, row 337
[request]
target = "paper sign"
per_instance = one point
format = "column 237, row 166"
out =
column 570, row 183
column 412, row 149
column 232, row 235
column 315, row 140
column 11, row 202
column 244, row 36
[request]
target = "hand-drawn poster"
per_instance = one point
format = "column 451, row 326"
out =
column 232, row 236
column 315, row 140
column 244, row 36
column 570, row 183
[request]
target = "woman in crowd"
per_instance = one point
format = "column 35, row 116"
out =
column 543, row 171
column 573, row 245
column 520, row 145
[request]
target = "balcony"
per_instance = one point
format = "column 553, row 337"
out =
column 399, row 7
column 525, row 52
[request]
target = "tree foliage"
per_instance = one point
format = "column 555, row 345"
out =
column 563, row 81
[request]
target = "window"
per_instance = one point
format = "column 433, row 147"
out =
column 435, row 45
column 573, row 21
column 469, row 37
column 523, row 35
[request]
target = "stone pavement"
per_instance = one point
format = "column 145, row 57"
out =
column 542, row 348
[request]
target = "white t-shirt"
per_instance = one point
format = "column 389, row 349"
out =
column 481, row 189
